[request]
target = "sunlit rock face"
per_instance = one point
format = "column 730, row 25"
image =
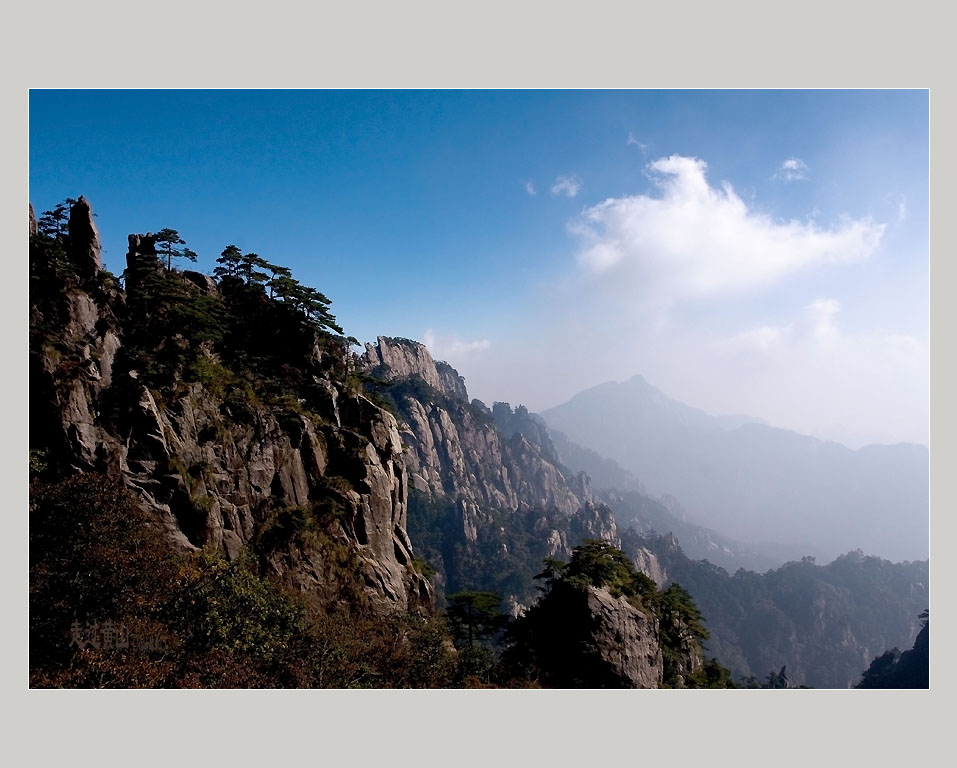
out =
column 497, row 466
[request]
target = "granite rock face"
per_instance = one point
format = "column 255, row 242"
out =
column 391, row 359
column 653, row 563
column 479, row 458
column 207, row 476
column 186, row 452
column 625, row 649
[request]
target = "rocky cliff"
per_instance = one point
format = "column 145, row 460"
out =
column 214, row 469
column 601, row 624
column 456, row 447
column 493, row 473
column 588, row 638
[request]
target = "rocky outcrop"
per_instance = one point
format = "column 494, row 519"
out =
column 141, row 260
column 624, row 642
column 497, row 501
column 647, row 562
column 34, row 228
column 205, row 283
column 588, row 638
column 215, row 482
column 521, row 422
column 214, row 473
column 391, row 359
column 454, row 448
column 85, row 245
column 482, row 460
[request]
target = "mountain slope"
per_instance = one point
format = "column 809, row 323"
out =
column 756, row 483
column 636, row 509
column 823, row 622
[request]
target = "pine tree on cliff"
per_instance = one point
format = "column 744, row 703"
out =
column 167, row 242
column 53, row 222
column 229, row 263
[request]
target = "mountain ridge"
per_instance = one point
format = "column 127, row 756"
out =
column 754, row 482
column 727, row 421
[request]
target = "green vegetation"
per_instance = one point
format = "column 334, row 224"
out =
column 599, row 564
column 168, row 242
column 52, row 223
column 258, row 332
column 198, row 620
column 475, row 618
column 814, row 619
column 507, row 552
column 101, row 572
column 552, row 645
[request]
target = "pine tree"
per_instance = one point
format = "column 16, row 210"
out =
column 167, row 242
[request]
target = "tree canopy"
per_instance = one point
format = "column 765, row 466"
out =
column 597, row 563
column 474, row 616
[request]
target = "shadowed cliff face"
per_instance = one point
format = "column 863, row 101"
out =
column 211, row 471
column 893, row 669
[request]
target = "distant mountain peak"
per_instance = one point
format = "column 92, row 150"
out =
column 753, row 482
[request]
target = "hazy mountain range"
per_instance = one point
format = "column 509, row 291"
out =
column 753, row 482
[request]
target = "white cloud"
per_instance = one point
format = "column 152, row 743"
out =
column 723, row 307
column 762, row 338
column 632, row 139
column 792, row 169
column 816, row 326
column 530, row 187
column 901, row 209
column 567, row 185
column 694, row 240
column 822, row 314
column 450, row 347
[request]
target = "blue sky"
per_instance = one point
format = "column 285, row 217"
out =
column 546, row 241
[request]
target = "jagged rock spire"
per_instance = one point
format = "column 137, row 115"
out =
column 84, row 239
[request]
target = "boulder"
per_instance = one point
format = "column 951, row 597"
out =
column 204, row 282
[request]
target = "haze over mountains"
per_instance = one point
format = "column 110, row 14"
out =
column 754, row 482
